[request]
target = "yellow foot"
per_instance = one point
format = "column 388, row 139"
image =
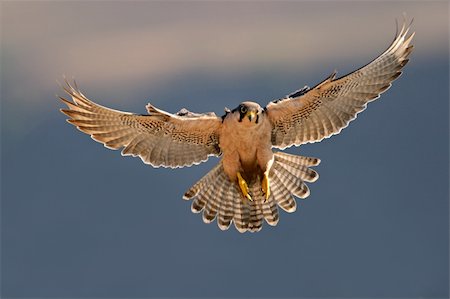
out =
column 265, row 185
column 243, row 185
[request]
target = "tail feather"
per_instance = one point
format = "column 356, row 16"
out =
column 300, row 171
column 198, row 204
column 294, row 184
column 223, row 216
column 241, row 211
column 204, row 181
column 256, row 211
column 282, row 195
column 226, row 211
column 202, row 200
column 214, row 195
column 220, row 198
column 270, row 211
column 297, row 160
column 212, row 204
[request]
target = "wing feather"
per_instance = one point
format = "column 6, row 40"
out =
column 159, row 138
column 310, row 115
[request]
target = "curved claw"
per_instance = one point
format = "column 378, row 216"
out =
column 243, row 185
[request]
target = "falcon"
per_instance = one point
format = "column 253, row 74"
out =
column 251, row 181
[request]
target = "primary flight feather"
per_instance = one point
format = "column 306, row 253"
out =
column 251, row 181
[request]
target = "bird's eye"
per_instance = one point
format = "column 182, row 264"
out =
column 243, row 109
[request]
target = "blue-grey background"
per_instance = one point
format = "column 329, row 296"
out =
column 81, row 221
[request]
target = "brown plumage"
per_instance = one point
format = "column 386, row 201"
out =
column 251, row 181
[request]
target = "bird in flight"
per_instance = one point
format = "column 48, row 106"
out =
column 250, row 181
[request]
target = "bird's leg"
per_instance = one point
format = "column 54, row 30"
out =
column 265, row 161
column 243, row 185
column 265, row 185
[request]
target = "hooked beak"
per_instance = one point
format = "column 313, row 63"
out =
column 251, row 115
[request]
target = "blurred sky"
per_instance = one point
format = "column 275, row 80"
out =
column 79, row 220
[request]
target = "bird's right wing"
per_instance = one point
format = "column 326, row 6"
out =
column 159, row 138
column 310, row 115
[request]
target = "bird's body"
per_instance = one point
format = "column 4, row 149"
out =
column 245, row 143
column 251, row 181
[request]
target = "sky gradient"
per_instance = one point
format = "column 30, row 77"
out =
column 81, row 221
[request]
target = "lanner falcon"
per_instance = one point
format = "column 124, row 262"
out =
column 250, row 181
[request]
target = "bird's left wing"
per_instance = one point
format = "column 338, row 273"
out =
column 159, row 138
column 310, row 115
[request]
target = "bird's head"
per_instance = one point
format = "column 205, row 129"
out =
column 246, row 113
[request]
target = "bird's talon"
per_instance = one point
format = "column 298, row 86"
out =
column 244, row 187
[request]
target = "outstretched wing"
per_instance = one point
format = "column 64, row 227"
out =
column 159, row 138
column 310, row 115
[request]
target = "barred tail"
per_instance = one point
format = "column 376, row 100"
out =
column 218, row 197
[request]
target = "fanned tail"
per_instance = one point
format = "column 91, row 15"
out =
column 219, row 198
